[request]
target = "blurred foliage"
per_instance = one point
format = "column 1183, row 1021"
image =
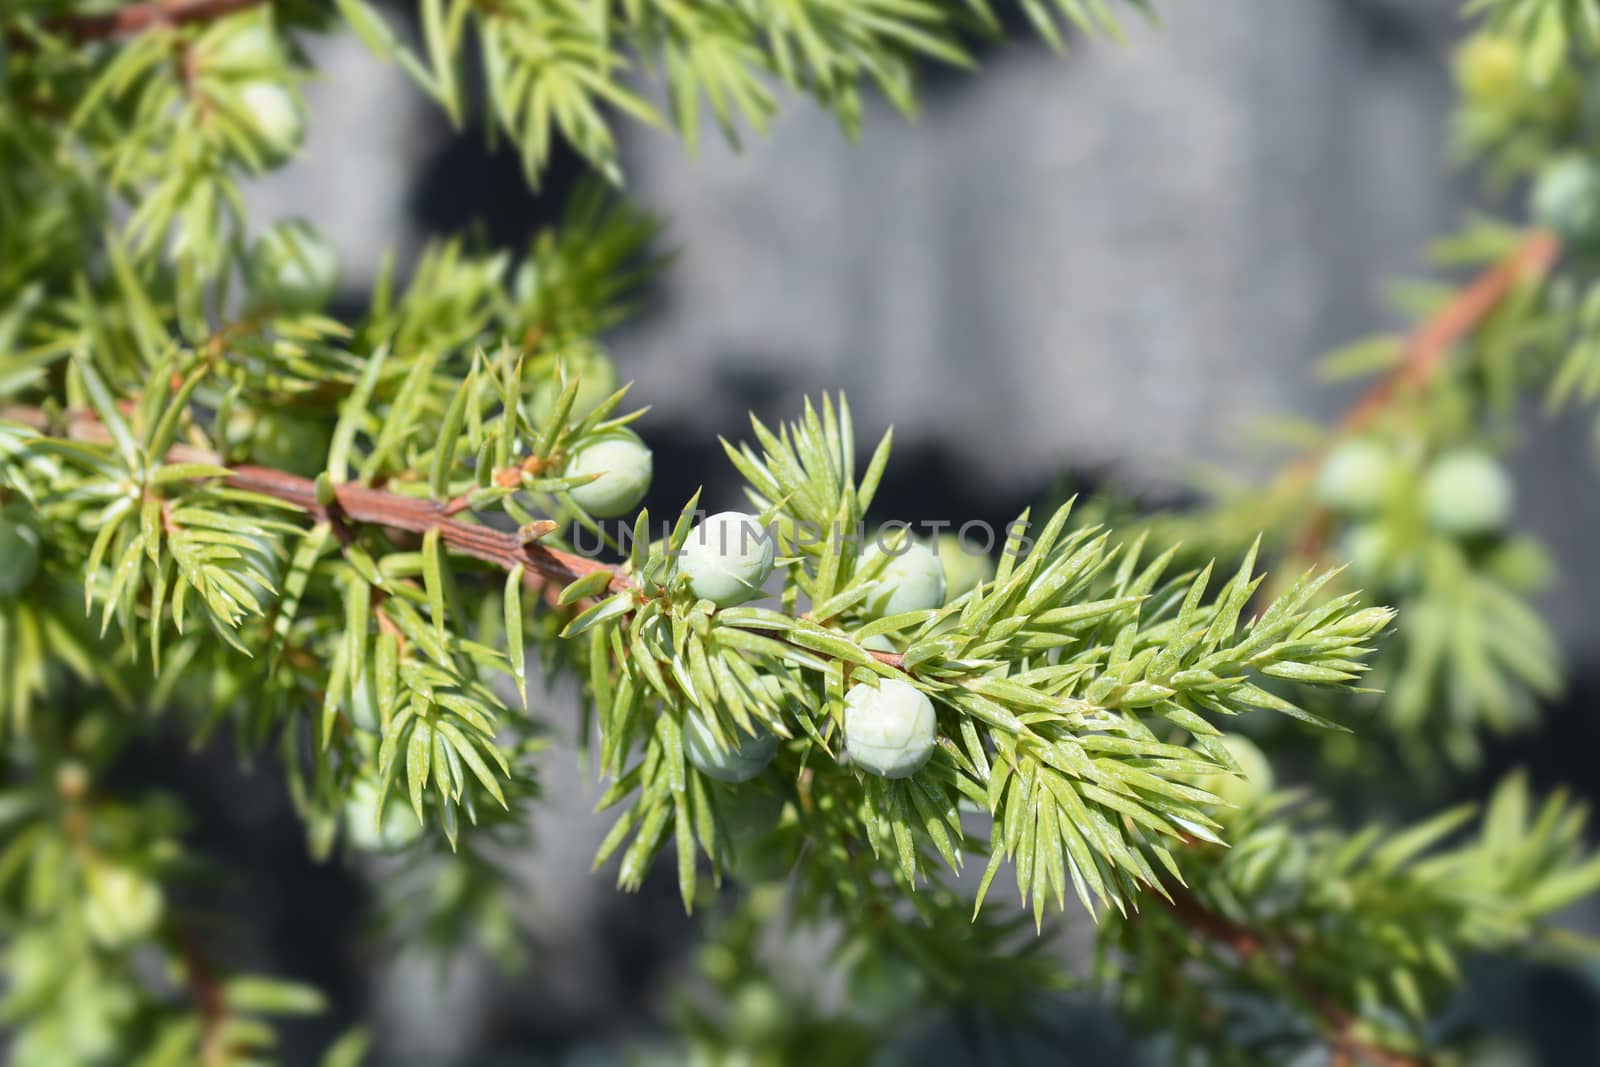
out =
column 337, row 541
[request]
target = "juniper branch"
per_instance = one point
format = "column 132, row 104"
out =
column 1428, row 347
column 377, row 507
column 354, row 502
column 1248, row 944
column 135, row 18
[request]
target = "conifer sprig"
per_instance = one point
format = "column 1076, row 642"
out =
column 340, row 542
column 1053, row 676
column 1367, row 931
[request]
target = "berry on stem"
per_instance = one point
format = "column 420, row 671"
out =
column 880, row 643
column 596, row 377
column 293, row 267
column 889, row 728
column 747, row 758
column 1253, row 780
column 1356, row 476
column 273, row 114
column 1378, row 558
column 1366, row 548
column 624, row 465
column 291, row 442
column 912, row 580
column 1488, row 68
column 1566, row 199
column 19, row 556
column 399, row 829
column 749, row 818
column 1466, row 493
column 727, row 558
column 244, row 45
column 964, row 569
column 122, row 905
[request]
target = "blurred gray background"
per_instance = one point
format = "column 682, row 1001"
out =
column 1109, row 262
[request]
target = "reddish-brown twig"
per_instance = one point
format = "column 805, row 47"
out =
column 1432, row 342
column 209, row 1001
column 1426, row 350
column 546, row 568
column 1336, row 1021
column 135, row 18
column 358, row 503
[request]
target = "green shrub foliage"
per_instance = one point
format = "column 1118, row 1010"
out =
column 338, row 540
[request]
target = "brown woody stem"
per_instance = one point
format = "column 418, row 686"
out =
column 1247, row 943
column 545, row 567
column 377, row 507
column 1426, row 350
column 138, row 17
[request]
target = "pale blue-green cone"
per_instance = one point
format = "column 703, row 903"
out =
column 964, row 568
column 912, row 580
column 1365, row 547
column 1356, row 476
column 240, row 45
column 747, row 758
column 274, row 115
column 364, row 710
column 293, row 267
column 624, row 465
column 19, row 556
column 1254, row 780
column 291, row 442
column 750, row 818
column 1489, row 69
column 596, row 378
column 399, row 830
column 122, row 905
column 890, row 728
column 1566, row 199
column 1375, row 559
column 1467, row 493
column 727, row 558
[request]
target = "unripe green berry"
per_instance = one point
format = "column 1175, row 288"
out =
column 293, row 267
column 1356, row 476
column 1377, row 560
column 1566, row 199
column 964, row 569
column 747, row 758
column 72, row 780
column 624, row 465
column 727, row 558
column 399, row 830
column 1466, row 493
column 1254, row 780
column 241, row 44
column 291, row 442
column 758, row 1013
column 596, row 377
column 262, row 569
column 122, row 905
column 364, row 710
column 1502, row 1051
column 1488, row 68
column 19, row 556
column 273, row 114
column 1366, row 548
column 889, row 728
column 912, row 580
column 749, row 815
